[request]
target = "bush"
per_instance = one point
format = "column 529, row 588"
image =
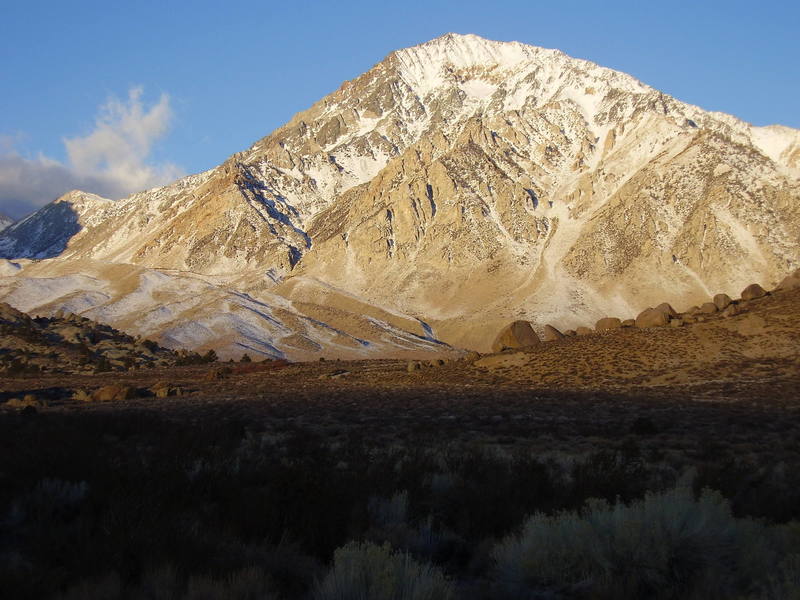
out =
column 107, row 588
column 165, row 584
column 376, row 572
column 667, row 545
column 102, row 365
column 247, row 584
column 151, row 345
column 785, row 584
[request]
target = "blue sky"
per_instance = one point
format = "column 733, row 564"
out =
column 115, row 96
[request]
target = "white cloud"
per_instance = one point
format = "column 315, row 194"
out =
column 111, row 161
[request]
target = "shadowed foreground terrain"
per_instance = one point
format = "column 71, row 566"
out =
column 633, row 463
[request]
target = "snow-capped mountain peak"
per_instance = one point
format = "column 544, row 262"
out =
column 454, row 185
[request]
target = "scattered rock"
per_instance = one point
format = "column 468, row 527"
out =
column 694, row 310
column 551, row 334
column 731, row 311
column 650, row 317
column 753, row 291
column 676, row 323
column 722, row 301
column 667, row 309
column 708, row 308
column 608, row 323
column 164, row 390
column 570, row 333
column 437, row 362
column 790, row 282
column 628, row 323
column 516, row 335
column 413, row 366
column 584, row 331
column 81, row 396
column 113, row 393
column 26, row 401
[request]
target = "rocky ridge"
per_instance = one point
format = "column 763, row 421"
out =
column 68, row 343
column 454, row 186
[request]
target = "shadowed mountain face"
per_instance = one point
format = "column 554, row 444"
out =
column 454, row 187
column 45, row 235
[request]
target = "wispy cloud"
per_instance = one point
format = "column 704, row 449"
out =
column 111, row 161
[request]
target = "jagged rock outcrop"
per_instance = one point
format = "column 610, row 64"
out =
column 451, row 188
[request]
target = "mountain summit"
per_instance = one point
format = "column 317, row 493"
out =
column 454, row 186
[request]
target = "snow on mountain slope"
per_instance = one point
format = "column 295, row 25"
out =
column 232, row 315
column 459, row 184
column 5, row 221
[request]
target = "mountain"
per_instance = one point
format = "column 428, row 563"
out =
column 454, row 186
column 5, row 221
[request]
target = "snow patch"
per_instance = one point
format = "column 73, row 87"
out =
column 478, row 89
column 9, row 268
column 774, row 140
